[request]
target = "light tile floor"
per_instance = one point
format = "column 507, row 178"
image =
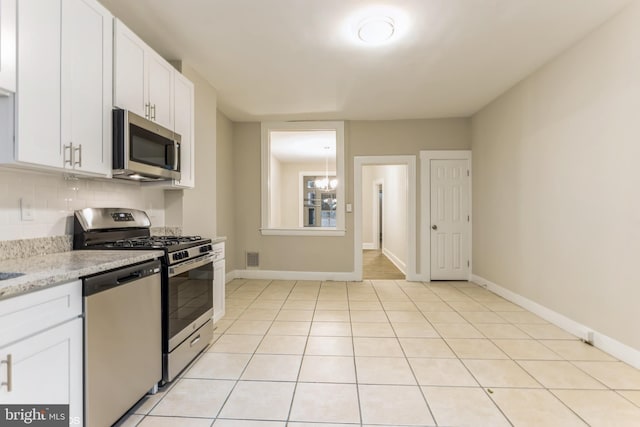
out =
column 390, row 353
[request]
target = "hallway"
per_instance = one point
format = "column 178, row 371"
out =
column 377, row 266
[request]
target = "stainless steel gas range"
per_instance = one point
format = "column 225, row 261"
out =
column 187, row 277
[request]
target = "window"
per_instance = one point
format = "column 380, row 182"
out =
column 303, row 178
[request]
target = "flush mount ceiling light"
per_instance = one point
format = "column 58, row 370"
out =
column 376, row 29
column 376, row 25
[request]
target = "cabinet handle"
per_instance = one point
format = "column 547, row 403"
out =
column 64, row 154
column 9, row 381
column 153, row 112
column 79, row 150
column 147, row 115
column 194, row 341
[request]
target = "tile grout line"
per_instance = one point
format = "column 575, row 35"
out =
column 295, row 387
column 235, row 385
column 404, row 290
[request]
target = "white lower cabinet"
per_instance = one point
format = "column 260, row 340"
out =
column 46, row 369
column 219, row 282
column 43, row 366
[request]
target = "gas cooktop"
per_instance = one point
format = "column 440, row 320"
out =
column 155, row 242
column 123, row 228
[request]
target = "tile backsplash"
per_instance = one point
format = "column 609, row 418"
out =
column 55, row 197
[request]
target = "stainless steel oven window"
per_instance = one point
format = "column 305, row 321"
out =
column 189, row 294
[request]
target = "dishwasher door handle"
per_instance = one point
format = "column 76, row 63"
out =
column 131, row 277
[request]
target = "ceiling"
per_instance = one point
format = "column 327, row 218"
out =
column 303, row 146
column 297, row 59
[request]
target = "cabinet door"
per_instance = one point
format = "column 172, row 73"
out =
column 46, row 369
column 129, row 70
column 219, row 290
column 7, row 46
column 184, row 124
column 86, row 87
column 38, row 92
column 160, row 89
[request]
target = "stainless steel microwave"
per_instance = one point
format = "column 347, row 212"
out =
column 144, row 150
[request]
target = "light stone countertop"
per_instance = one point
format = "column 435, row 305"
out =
column 42, row 271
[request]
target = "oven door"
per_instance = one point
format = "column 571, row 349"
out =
column 188, row 299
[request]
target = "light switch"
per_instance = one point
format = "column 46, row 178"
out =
column 26, row 209
column 349, row 207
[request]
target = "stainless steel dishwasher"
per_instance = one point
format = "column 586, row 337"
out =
column 123, row 340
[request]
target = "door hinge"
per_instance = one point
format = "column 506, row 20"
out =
column 468, row 218
column 468, row 172
column 468, row 264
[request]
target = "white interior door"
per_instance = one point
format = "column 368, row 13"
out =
column 449, row 219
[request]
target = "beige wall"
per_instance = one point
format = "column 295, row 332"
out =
column 370, row 174
column 276, row 252
column 225, row 193
column 555, row 187
column 362, row 138
column 394, row 224
column 404, row 137
column 199, row 203
column 275, row 201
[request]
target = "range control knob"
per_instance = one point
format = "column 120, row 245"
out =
column 180, row 255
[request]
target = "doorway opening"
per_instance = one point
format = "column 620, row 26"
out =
column 383, row 217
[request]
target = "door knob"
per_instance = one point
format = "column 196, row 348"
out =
column 434, row 227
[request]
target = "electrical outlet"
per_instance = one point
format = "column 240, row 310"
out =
column 26, row 209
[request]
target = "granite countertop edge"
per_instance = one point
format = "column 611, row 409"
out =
column 43, row 271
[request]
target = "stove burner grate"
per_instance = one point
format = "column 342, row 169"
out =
column 154, row 241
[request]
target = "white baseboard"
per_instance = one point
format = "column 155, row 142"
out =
column 617, row 349
column 295, row 275
column 230, row 276
column 369, row 246
column 395, row 260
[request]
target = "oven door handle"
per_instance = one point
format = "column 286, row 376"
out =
column 174, row 270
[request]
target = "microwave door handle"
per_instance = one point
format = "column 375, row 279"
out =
column 176, row 156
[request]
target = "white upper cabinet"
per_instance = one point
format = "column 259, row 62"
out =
column 184, row 126
column 87, row 84
column 128, row 68
column 143, row 81
column 62, row 104
column 7, row 46
column 160, row 89
column 37, row 137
